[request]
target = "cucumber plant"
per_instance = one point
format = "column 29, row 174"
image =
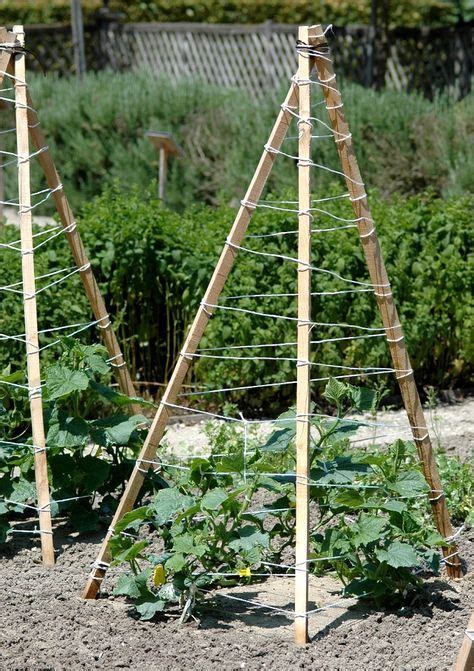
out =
column 203, row 531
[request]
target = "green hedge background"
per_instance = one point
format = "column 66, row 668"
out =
column 153, row 265
column 405, row 144
column 342, row 12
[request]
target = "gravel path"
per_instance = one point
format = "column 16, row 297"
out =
column 451, row 428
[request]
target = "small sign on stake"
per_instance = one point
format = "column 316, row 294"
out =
column 166, row 145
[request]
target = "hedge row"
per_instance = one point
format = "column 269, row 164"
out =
column 342, row 12
column 96, row 130
column 153, row 265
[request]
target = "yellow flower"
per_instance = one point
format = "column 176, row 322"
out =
column 159, row 575
column 244, row 572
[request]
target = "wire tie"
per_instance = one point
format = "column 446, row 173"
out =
column 305, row 163
column 118, row 365
column 334, row 107
column 205, row 310
column 70, row 227
column 34, row 392
column 100, row 565
column 366, row 235
column 303, row 362
column 419, row 440
column 85, row 267
column 346, row 137
column 107, row 324
column 408, row 372
column 270, row 149
column 307, row 213
column 455, row 535
column 186, row 355
column 329, row 79
column 353, row 200
column 450, row 563
column 248, row 204
column 387, row 295
column 306, row 120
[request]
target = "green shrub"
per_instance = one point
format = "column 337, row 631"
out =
column 153, row 266
column 96, row 130
column 408, row 12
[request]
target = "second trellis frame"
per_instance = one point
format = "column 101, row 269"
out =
column 12, row 65
column 313, row 53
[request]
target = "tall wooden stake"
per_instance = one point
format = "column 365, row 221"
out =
column 378, row 276
column 465, row 660
column 303, row 368
column 29, row 299
column 385, row 302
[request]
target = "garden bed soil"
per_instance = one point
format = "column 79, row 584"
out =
column 45, row 624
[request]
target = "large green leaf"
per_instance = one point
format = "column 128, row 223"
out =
column 214, row 498
column 132, row 585
column 399, row 555
column 115, row 430
column 186, row 544
column 147, row 606
column 249, row 537
column 132, row 520
column 367, row 529
column 335, row 391
column 66, row 431
column 117, row 397
column 62, row 381
column 409, row 483
column 279, row 440
column 363, row 399
column 168, row 502
column 83, row 518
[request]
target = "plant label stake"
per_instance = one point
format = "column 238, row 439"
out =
column 165, row 145
column 313, row 51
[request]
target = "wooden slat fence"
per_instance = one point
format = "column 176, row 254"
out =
column 261, row 57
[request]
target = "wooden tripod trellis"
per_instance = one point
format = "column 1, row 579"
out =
column 313, row 54
column 12, row 66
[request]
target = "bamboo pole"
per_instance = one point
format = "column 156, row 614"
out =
column 198, row 327
column 465, row 660
column 385, row 302
column 29, row 299
column 80, row 256
column 303, row 386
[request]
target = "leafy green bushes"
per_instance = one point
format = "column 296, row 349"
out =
column 91, row 441
column 408, row 12
column 153, row 266
column 96, row 131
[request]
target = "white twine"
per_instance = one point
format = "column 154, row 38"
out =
column 279, row 384
column 306, row 265
column 307, row 162
column 295, row 319
column 293, row 295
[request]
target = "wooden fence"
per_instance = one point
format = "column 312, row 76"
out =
column 260, row 57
